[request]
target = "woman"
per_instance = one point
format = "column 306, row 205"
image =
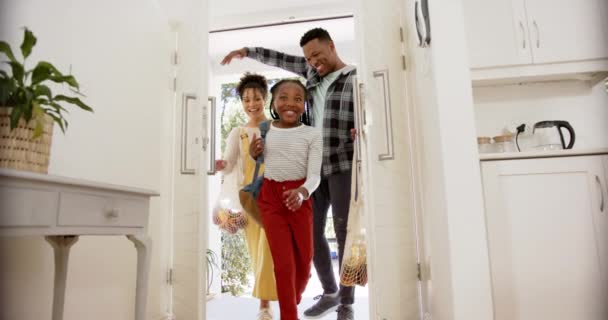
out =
column 253, row 91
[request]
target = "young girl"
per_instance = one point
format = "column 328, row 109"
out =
column 292, row 155
column 253, row 90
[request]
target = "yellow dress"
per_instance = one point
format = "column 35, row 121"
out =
column 259, row 252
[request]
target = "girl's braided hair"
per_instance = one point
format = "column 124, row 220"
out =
column 305, row 118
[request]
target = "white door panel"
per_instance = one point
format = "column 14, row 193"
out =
column 386, row 161
column 188, row 199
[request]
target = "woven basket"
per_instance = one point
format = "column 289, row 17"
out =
column 18, row 150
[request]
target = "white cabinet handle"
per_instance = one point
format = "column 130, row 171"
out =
column 358, row 109
column 537, row 34
column 113, row 213
column 523, row 34
column 599, row 183
column 212, row 135
column 390, row 147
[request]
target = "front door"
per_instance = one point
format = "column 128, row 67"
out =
column 388, row 164
column 193, row 142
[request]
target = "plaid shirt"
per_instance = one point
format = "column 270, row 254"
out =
column 338, row 116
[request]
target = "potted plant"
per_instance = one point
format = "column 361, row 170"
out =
column 211, row 266
column 29, row 109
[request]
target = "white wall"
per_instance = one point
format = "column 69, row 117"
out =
column 119, row 52
column 583, row 105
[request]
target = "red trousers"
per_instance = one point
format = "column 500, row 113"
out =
column 289, row 236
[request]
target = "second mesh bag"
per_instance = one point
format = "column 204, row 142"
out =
column 354, row 262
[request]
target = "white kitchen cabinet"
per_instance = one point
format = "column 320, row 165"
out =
column 536, row 39
column 497, row 33
column 566, row 30
column 547, row 237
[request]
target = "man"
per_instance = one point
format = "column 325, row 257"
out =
column 329, row 82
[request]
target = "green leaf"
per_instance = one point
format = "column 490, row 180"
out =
column 75, row 101
column 38, row 130
column 18, row 71
column 15, row 116
column 43, row 71
column 70, row 80
column 59, row 121
column 6, row 49
column 7, row 87
column 56, row 107
column 29, row 41
column 42, row 90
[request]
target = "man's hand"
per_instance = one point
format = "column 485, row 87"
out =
column 353, row 133
column 256, row 147
column 240, row 54
column 293, row 198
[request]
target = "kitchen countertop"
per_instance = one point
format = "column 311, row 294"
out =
column 541, row 154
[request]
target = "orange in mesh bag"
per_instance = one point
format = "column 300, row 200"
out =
column 354, row 262
column 227, row 213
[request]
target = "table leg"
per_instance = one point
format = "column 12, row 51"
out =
column 61, row 248
column 143, row 246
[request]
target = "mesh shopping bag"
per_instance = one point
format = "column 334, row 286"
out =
column 354, row 263
column 228, row 215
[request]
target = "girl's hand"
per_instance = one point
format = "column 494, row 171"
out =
column 293, row 198
column 220, row 165
column 256, row 147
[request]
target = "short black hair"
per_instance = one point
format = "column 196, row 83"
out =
column 316, row 33
column 253, row 81
column 273, row 114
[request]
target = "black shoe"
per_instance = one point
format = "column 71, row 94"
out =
column 345, row 312
column 325, row 305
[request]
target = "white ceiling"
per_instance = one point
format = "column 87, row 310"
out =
column 236, row 13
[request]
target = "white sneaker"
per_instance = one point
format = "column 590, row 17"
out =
column 265, row 314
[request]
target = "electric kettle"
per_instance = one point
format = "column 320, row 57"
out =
column 549, row 135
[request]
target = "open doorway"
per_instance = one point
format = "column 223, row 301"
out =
column 232, row 282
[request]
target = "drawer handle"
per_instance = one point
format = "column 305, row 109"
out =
column 113, row 213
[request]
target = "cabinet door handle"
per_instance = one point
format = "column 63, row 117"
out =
column 599, row 183
column 390, row 148
column 537, row 34
column 212, row 113
column 523, row 34
column 358, row 109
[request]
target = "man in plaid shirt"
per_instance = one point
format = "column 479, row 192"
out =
column 330, row 86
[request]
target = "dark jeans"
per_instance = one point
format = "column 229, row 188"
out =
column 335, row 191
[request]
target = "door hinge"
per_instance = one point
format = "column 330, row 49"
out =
column 402, row 38
column 419, row 272
column 170, row 278
column 174, row 84
column 175, row 58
